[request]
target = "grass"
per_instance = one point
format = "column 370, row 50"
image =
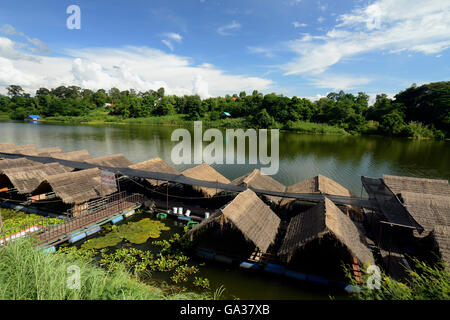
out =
column 425, row 282
column 315, row 128
column 4, row 116
column 30, row 274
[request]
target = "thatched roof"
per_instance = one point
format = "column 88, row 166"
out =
column 114, row 160
column 76, row 187
column 154, row 165
column 256, row 179
column 207, row 173
column 26, row 150
column 80, row 155
column 324, row 218
column 6, row 145
column 26, row 179
column 249, row 214
column 318, row 184
column 16, row 163
column 442, row 237
column 418, row 185
column 427, row 209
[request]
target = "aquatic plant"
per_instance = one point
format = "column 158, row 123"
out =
column 183, row 272
column 13, row 219
column 135, row 232
column 219, row 293
column 201, row 282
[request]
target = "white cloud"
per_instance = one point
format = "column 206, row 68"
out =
column 170, row 38
column 260, row 50
column 298, row 24
column 385, row 25
column 226, row 29
column 41, row 47
column 168, row 44
column 140, row 68
column 320, row 19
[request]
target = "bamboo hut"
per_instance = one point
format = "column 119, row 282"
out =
column 16, row 163
column 324, row 219
column 114, row 160
column 318, row 184
column 154, row 165
column 249, row 215
column 75, row 187
column 257, row 180
column 207, row 173
column 79, row 155
column 441, row 235
column 399, row 184
column 25, row 150
column 26, row 179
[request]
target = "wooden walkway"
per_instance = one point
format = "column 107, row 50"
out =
column 61, row 232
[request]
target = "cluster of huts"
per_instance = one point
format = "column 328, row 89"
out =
column 413, row 214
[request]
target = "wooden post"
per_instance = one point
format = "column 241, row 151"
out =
column 167, row 197
column 118, row 188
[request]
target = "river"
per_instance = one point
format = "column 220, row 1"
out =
column 342, row 158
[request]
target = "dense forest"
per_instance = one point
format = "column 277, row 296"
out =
column 419, row 111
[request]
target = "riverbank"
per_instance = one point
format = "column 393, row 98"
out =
column 179, row 120
column 29, row 274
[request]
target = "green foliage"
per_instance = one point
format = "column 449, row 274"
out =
column 30, row 274
column 428, row 106
column 426, row 282
column 14, row 220
column 201, row 282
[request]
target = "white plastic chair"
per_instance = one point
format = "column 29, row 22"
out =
column 180, row 210
column 206, row 215
column 175, row 210
column 188, row 212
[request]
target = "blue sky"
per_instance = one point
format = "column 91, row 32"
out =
column 305, row 48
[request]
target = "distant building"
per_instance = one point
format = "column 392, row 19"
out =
column 108, row 105
column 225, row 115
column 33, row 117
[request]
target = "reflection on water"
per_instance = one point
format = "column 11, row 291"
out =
column 343, row 159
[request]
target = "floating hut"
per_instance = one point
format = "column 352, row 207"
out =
column 318, row 184
column 257, row 180
column 16, row 163
column 75, row 187
column 114, row 160
column 206, row 173
column 26, row 179
column 79, row 155
column 441, row 235
column 240, row 226
column 154, row 165
column 18, row 149
column 322, row 220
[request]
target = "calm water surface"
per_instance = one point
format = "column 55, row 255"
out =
column 343, row 159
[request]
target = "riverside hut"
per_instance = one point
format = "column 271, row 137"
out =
column 114, row 160
column 207, row 173
column 25, row 179
column 318, row 184
column 325, row 221
column 79, row 155
column 257, row 180
column 441, row 235
column 7, row 148
column 16, row 163
column 240, row 226
column 76, row 187
column 155, row 165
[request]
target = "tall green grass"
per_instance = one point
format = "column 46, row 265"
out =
column 30, row 274
column 426, row 282
column 316, row 128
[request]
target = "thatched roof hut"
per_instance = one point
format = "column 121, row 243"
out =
column 207, row 173
column 428, row 210
column 16, row 163
column 26, row 179
column 256, row 179
column 76, row 187
column 318, row 184
column 154, row 165
column 324, row 219
column 6, row 145
column 114, row 160
column 250, row 215
column 442, row 238
column 26, row 150
column 417, row 185
column 79, row 155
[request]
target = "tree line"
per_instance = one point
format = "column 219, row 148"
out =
column 417, row 111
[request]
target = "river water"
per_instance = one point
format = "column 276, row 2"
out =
column 342, row 158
